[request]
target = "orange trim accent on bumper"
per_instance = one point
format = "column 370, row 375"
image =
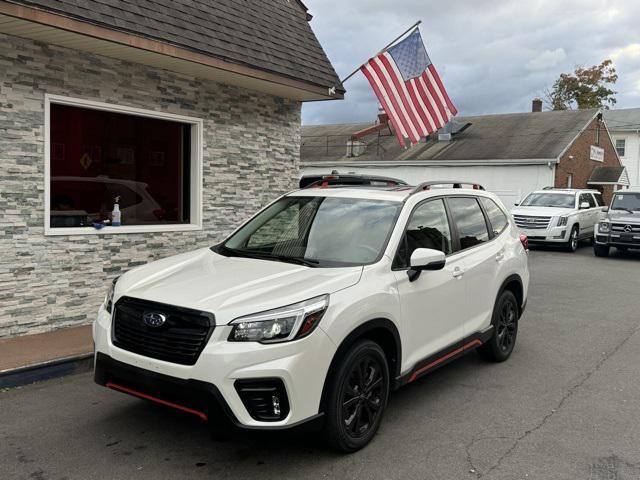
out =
column 166, row 403
column 472, row 343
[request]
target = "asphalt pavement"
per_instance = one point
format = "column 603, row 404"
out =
column 565, row 406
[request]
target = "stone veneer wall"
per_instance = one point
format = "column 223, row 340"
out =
column 251, row 154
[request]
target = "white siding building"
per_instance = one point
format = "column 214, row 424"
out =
column 509, row 154
column 624, row 126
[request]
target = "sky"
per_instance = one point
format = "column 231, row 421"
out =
column 493, row 56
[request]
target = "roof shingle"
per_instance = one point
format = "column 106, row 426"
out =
column 608, row 175
column 512, row 136
column 271, row 35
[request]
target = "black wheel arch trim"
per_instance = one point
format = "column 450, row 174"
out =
column 514, row 278
column 363, row 331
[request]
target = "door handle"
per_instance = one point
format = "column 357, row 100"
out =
column 458, row 272
column 500, row 256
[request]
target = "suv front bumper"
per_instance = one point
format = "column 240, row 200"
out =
column 618, row 239
column 210, row 387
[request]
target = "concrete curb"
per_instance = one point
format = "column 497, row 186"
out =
column 59, row 367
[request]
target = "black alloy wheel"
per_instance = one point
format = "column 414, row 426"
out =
column 506, row 314
column 506, row 326
column 362, row 396
column 358, row 397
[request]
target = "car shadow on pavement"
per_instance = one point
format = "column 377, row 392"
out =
column 136, row 427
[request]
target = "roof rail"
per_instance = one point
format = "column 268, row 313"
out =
column 352, row 180
column 456, row 184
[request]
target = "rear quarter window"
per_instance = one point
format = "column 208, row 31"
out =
column 497, row 217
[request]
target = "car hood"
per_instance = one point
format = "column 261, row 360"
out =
column 621, row 216
column 542, row 211
column 230, row 287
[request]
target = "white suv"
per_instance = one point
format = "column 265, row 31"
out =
column 561, row 216
column 318, row 307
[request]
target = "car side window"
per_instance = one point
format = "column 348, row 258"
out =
column 585, row 197
column 469, row 220
column 428, row 227
column 497, row 218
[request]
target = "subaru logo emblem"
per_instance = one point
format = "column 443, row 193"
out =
column 628, row 228
column 154, row 319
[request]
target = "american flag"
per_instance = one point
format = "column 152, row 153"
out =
column 409, row 89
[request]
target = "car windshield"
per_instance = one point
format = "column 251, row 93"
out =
column 626, row 201
column 316, row 231
column 560, row 200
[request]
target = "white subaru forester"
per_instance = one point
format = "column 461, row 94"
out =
column 319, row 306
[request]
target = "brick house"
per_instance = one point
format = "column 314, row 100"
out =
column 510, row 154
column 188, row 112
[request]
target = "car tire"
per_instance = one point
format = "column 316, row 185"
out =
column 601, row 250
column 506, row 313
column 357, row 397
column 572, row 243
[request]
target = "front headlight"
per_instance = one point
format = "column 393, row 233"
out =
column 282, row 324
column 562, row 221
column 108, row 300
column 604, row 227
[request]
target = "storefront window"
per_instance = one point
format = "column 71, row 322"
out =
column 97, row 156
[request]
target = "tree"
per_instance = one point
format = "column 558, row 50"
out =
column 584, row 88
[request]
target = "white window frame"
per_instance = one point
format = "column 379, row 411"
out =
column 196, row 168
column 624, row 146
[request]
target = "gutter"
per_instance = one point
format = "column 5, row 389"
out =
column 429, row 163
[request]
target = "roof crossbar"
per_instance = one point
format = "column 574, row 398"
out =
column 456, row 184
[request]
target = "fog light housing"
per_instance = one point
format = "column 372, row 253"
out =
column 265, row 398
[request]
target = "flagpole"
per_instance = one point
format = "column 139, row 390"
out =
column 412, row 27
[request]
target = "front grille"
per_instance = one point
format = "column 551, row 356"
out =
column 620, row 227
column 180, row 339
column 531, row 222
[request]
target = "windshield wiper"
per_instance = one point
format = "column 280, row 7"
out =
column 309, row 262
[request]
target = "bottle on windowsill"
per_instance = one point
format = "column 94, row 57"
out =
column 115, row 215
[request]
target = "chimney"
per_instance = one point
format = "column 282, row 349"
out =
column 536, row 105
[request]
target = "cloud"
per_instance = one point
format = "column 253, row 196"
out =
column 547, row 59
column 493, row 56
column 630, row 51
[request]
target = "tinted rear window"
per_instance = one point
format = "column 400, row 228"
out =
column 469, row 219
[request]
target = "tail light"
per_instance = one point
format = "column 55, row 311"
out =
column 525, row 242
